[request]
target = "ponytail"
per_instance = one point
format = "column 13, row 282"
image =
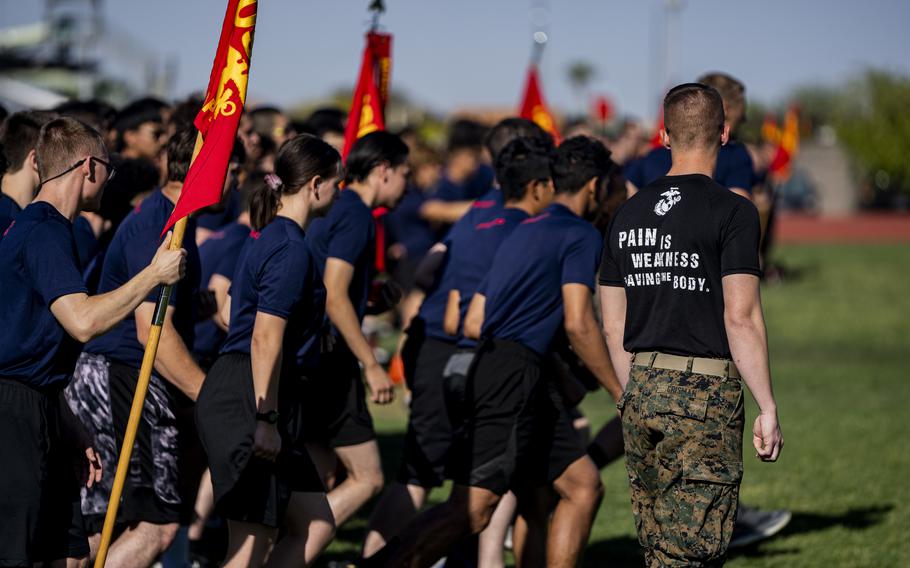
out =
column 300, row 160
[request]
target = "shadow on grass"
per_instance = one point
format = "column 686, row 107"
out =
column 856, row 519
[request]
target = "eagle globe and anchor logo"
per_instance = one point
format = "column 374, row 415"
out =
column 671, row 198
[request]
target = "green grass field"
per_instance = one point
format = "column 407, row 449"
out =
column 839, row 329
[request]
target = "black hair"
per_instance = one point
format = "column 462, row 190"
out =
column 465, row 134
column 522, row 161
column 693, row 116
column 135, row 114
column 371, row 151
column 185, row 111
column 98, row 114
column 299, row 160
column 509, row 129
column 19, row 136
column 135, row 176
column 579, row 160
column 180, row 153
column 324, row 120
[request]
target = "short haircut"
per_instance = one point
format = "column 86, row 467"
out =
column 180, row 153
column 62, row 142
column 509, row 129
column 263, row 119
column 731, row 90
column 97, row 114
column 693, row 116
column 579, row 160
column 137, row 113
column 522, row 161
column 19, row 134
column 465, row 134
column 372, row 150
column 324, row 120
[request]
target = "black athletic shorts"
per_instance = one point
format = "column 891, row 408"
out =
column 335, row 409
column 518, row 433
column 40, row 516
column 248, row 488
column 429, row 436
column 151, row 493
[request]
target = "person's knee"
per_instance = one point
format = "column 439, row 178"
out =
column 166, row 535
column 582, row 485
column 372, row 478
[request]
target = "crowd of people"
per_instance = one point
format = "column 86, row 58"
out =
column 256, row 442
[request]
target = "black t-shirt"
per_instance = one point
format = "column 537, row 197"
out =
column 669, row 246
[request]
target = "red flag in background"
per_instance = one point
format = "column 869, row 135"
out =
column 368, row 112
column 787, row 141
column 533, row 106
column 217, row 121
column 372, row 90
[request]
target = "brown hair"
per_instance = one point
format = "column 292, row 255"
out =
column 693, row 116
column 300, row 160
column 731, row 90
column 19, row 134
column 180, row 153
column 62, row 142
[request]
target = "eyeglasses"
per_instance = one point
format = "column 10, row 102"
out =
column 111, row 170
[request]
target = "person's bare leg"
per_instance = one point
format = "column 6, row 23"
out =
column 492, row 539
column 139, row 546
column 364, row 480
column 580, row 492
column 434, row 532
column 310, row 528
column 529, row 535
column 325, row 461
column 248, row 544
column 71, row 563
column 397, row 506
column 205, row 503
column 94, row 542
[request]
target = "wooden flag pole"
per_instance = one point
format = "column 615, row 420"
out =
column 142, row 385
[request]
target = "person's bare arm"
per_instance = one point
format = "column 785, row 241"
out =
column 586, row 338
column 452, row 314
column 473, row 320
column 85, row 317
column 746, row 334
column 265, row 356
column 613, row 314
column 338, row 307
column 220, row 286
column 448, row 212
column 173, row 361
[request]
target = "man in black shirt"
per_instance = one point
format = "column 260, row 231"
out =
column 682, row 313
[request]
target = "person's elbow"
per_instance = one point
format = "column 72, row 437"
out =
column 84, row 330
column 741, row 318
column 579, row 326
column 472, row 327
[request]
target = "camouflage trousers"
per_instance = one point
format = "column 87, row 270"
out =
column 683, row 439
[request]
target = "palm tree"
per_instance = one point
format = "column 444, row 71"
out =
column 580, row 74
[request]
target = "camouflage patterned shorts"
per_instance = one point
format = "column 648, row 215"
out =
column 683, row 439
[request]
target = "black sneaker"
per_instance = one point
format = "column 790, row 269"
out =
column 754, row 525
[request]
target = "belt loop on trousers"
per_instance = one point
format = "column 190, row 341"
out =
column 689, row 365
column 727, row 371
column 653, row 357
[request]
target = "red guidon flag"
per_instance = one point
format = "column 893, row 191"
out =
column 534, row 108
column 217, row 121
column 368, row 112
column 372, row 90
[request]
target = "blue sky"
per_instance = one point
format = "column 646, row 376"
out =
column 450, row 54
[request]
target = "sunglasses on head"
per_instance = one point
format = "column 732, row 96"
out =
column 111, row 170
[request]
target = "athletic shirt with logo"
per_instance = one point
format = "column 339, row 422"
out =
column 669, row 246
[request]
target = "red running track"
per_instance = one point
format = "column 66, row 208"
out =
column 859, row 228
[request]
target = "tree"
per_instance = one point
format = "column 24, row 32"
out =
column 580, row 74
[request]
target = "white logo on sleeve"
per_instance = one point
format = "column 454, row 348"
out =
column 671, row 198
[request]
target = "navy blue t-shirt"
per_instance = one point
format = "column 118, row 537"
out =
column 433, row 308
column 276, row 274
column 131, row 250
column 87, row 244
column 39, row 262
column 347, row 233
column 218, row 255
column 405, row 225
column 472, row 257
column 8, row 210
column 523, row 289
column 734, row 167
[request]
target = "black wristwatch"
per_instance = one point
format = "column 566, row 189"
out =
column 270, row 417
